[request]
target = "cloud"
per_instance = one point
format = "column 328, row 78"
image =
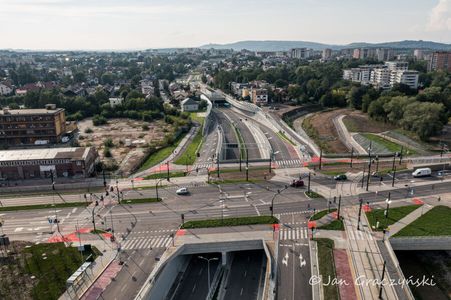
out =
column 440, row 16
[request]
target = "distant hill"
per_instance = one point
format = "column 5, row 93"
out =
column 286, row 45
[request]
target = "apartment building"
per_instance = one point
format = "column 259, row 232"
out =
column 383, row 76
column 259, row 96
column 301, row 53
column 32, row 126
column 327, row 54
column 440, row 61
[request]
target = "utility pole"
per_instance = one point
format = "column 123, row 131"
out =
column 167, row 166
column 270, row 160
column 308, row 186
column 393, row 178
column 352, row 156
column 104, row 179
column 382, row 280
column 368, row 177
column 400, row 155
column 360, row 213
column 320, row 157
column 339, row 207
column 377, row 163
column 183, row 218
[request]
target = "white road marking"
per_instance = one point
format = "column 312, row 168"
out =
column 285, row 259
column 18, row 229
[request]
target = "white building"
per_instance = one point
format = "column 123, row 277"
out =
column 115, row 101
column 380, row 78
column 5, row 88
column 406, row 77
column 327, row 54
column 301, row 53
column 397, row 65
column 189, row 105
column 361, row 74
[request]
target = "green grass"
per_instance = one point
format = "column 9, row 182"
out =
column 165, row 175
column 98, row 231
column 436, row 222
column 51, row 273
column 196, row 118
column 350, row 125
column 43, row 206
column 314, row 195
column 391, row 146
column 334, row 225
column 141, row 200
column 321, row 214
column 243, row 150
column 331, row 172
column 313, row 133
column 230, row 222
column 161, row 154
column 189, row 155
column 394, row 215
column 284, row 137
column 327, row 267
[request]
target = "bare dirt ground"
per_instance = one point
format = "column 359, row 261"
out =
column 326, row 135
column 324, row 126
column 130, row 139
column 356, row 121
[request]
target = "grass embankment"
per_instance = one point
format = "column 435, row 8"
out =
column 334, row 225
column 49, row 264
column 242, row 145
column 327, row 267
column 313, row 195
column 283, row 136
column 314, row 135
column 229, row 176
column 436, row 222
column 164, row 175
column 43, row 206
column 389, row 145
column 394, row 215
column 161, row 154
column 139, row 201
column 321, row 214
column 189, row 155
column 230, row 222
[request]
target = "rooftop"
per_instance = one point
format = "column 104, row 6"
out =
column 75, row 153
column 37, row 111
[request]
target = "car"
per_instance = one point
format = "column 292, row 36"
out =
column 422, row 172
column 182, row 191
column 340, row 177
column 297, row 183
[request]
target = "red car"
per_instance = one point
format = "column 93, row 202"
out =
column 297, row 183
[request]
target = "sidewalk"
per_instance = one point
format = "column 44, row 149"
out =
column 96, row 275
column 395, row 228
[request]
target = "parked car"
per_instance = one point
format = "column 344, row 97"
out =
column 182, row 191
column 297, row 183
column 340, row 177
column 422, row 172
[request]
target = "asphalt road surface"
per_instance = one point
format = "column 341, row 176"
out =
column 294, row 259
column 246, row 276
column 194, row 283
column 231, row 142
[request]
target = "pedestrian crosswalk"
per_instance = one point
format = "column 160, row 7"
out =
column 289, row 163
column 293, row 213
column 201, row 166
column 293, row 233
column 362, row 235
column 146, row 242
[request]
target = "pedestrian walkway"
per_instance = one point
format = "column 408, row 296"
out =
column 344, row 274
column 286, row 233
column 146, row 242
column 395, row 228
column 95, row 291
column 289, row 163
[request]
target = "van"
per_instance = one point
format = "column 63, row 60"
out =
column 422, row 172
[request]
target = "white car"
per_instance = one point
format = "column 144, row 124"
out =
column 182, row 191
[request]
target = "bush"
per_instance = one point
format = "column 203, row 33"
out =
column 88, row 130
column 145, row 127
column 108, row 143
column 107, row 152
column 98, row 120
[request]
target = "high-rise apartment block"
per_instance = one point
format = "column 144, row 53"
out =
column 440, row 61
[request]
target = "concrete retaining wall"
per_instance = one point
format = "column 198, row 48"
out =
column 221, row 247
column 421, row 243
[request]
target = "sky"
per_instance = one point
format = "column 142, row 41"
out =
column 144, row 24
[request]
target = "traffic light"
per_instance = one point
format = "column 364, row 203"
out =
column 198, row 154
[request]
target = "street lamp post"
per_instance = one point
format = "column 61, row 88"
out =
column 208, row 268
column 382, row 280
column 393, row 178
column 352, row 156
column 360, row 213
column 247, row 173
column 388, row 201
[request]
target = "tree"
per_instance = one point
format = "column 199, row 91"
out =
column 424, row 118
column 395, row 108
